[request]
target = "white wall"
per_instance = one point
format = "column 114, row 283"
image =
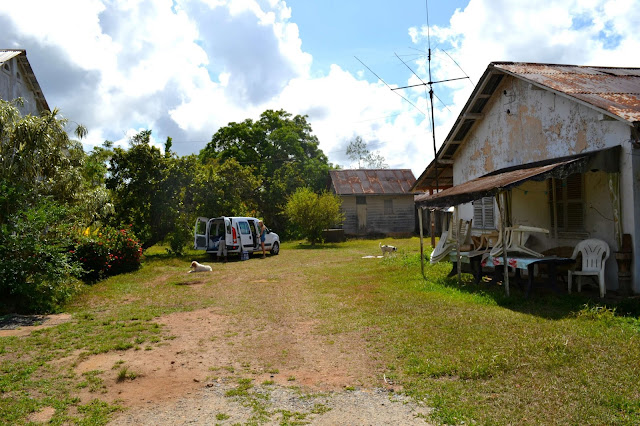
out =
column 13, row 85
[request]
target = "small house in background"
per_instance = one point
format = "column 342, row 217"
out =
column 376, row 202
column 17, row 80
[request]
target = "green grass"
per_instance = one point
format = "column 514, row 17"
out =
column 466, row 350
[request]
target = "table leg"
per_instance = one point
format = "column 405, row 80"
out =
column 529, row 279
column 454, row 270
column 552, row 273
column 476, row 268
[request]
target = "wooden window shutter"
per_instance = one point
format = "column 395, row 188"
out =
column 569, row 203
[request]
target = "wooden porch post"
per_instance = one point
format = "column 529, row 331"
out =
column 432, row 222
column 458, row 258
column 503, row 218
column 421, row 240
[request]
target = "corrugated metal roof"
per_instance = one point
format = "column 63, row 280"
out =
column 6, row 54
column 372, row 181
column 492, row 183
column 616, row 90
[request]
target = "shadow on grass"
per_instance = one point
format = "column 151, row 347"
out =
column 543, row 301
column 325, row 246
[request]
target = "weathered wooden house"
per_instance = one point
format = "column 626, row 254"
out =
column 375, row 202
column 562, row 144
column 17, row 80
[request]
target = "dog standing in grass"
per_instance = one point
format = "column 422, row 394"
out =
column 197, row 267
column 386, row 249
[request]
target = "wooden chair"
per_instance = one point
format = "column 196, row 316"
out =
column 594, row 253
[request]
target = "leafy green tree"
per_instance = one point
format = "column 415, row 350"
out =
column 312, row 213
column 40, row 190
column 37, row 158
column 357, row 150
column 283, row 155
column 148, row 188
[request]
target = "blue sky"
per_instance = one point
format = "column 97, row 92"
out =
column 184, row 68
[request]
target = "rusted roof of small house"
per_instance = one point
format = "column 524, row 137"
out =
column 371, row 181
column 614, row 92
column 28, row 74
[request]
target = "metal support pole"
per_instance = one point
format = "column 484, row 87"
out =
column 503, row 216
column 421, row 240
column 458, row 258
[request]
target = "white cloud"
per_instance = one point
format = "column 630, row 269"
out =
column 184, row 68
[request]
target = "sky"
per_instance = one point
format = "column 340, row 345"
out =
column 185, row 68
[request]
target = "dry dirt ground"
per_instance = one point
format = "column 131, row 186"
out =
column 298, row 374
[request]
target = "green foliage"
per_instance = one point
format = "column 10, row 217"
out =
column 35, row 267
column 148, row 187
column 283, row 155
column 312, row 213
column 108, row 252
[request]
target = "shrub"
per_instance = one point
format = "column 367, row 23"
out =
column 311, row 213
column 107, row 252
column 36, row 270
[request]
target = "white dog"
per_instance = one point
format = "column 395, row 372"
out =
column 386, row 249
column 197, row 267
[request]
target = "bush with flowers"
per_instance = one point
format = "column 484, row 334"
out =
column 106, row 252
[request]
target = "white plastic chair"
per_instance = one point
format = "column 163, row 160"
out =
column 449, row 240
column 518, row 237
column 594, row 255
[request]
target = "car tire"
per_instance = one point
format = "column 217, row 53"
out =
column 275, row 249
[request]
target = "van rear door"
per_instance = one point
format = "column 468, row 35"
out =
column 246, row 236
column 201, row 234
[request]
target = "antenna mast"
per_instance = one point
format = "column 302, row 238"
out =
column 433, row 123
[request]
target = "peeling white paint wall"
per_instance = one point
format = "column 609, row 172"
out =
column 523, row 124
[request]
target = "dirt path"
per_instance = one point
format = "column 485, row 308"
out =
column 258, row 355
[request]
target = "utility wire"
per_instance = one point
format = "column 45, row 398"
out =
column 390, row 88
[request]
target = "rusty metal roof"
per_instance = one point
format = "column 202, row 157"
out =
column 371, row 181
column 27, row 73
column 615, row 90
column 6, row 54
column 492, row 183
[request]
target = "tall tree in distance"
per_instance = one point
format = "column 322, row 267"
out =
column 357, row 151
column 283, row 153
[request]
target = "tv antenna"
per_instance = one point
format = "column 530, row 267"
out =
column 430, row 84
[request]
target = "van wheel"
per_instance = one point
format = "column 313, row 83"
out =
column 275, row 249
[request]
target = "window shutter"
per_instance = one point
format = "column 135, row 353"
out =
column 569, row 203
column 489, row 219
column 478, row 218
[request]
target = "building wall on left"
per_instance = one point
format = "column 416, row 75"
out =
column 13, row 85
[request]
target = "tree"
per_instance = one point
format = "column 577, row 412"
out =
column 40, row 190
column 357, row 151
column 282, row 153
column 147, row 188
column 312, row 213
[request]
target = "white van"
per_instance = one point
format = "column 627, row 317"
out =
column 223, row 235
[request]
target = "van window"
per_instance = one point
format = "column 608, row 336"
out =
column 201, row 228
column 227, row 223
column 244, row 228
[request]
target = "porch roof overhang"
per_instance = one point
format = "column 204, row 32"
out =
column 607, row 160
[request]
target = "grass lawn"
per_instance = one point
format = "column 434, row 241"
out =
column 466, row 350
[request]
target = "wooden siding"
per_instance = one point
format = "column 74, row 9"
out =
column 400, row 221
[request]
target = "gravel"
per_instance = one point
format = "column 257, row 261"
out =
column 210, row 405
